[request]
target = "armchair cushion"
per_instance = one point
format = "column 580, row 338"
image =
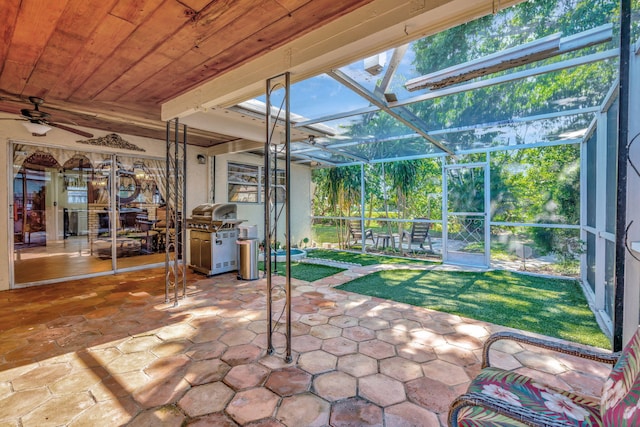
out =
column 620, row 393
column 517, row 390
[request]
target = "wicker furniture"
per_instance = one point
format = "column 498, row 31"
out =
column 503, row 398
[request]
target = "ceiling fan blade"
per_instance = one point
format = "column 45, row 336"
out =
column 72, row 130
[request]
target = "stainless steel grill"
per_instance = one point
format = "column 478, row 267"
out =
column 212, row 238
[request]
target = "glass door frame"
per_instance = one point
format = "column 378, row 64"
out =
column 485, row 215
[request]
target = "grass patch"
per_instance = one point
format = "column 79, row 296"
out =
column 306, row 271
column 362, row 259
column 551, row 307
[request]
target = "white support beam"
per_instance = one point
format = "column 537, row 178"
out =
column 399, row 113
column 526, row 53
column 569, row 63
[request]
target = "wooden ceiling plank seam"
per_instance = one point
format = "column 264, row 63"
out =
column 89, row 64
column 97, row 60
column 14, row 77
column 161, row 80
column 199, row 5
column 174, row 46
column 66, row 43
column 142, row 44
column 32, row 32
column 237, row 31
column 136, row 11
column 292, row 5
column 255, row 18
column 8, row 20
column 280, row 31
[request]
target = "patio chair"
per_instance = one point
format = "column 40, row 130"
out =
column 499, row 398
column 355, row 233
column 418, row 235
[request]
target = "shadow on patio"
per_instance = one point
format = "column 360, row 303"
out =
column 109, row 351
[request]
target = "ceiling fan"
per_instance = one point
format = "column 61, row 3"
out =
column 38, row 121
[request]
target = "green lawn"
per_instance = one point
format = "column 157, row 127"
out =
column 305, row 271
column 362, row 259
column 551, row 307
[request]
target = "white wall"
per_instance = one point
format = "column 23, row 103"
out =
column 253, row 213
column 12, row 130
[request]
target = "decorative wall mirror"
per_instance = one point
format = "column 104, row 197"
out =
column 128, row 187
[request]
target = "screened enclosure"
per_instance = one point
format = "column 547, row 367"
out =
column 500, row 134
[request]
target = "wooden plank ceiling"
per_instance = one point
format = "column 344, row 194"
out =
column 110, row 64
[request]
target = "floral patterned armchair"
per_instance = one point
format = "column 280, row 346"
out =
column 502, row 398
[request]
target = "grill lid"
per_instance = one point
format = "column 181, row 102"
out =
column 214, row 212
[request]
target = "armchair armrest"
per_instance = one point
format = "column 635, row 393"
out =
column 519, row 413
column 591, row 353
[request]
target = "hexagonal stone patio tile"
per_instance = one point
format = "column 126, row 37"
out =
column 358, row 333
column 335, row 386
column 140, row 343
column 59, row 410
column 357, row 365
column 252, row 405
column 374, row 323
column 343, row 321
column 431, row 394
column 218, row 420
column 465, row 341
column 241, row 354
column 382, row 390
column 314, row 319
column 304, row 410
column 245, row 376
column 407, row 414
column 377, row 349
column 393, row 336
column 325, row 331
column 400, row 369
column 316, row 362
column 445, row 372
column 206, row 399
column 416, row 352
column 237, row 337
column 168, row 416
column 289, row 381
column 541, row 362
column 20, row 403
column 206, row 371
column 457, row 355
column 356, row 412
column 339, row 346
column 306, row 343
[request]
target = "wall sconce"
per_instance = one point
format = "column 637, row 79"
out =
column 201, row 159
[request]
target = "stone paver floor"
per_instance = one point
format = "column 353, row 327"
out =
column 109, row 351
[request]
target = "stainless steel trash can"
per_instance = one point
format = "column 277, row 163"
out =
column 247, row 259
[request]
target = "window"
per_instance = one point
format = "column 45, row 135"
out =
column 246, row 182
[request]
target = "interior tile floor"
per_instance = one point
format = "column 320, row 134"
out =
column 110, row 351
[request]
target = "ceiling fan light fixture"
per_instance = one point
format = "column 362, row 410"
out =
column 37, row 128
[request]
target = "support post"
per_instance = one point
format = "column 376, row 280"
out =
column 623, row 139
column 175, row 233
column 276, row 147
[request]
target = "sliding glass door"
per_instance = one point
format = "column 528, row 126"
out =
column 82, row 213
